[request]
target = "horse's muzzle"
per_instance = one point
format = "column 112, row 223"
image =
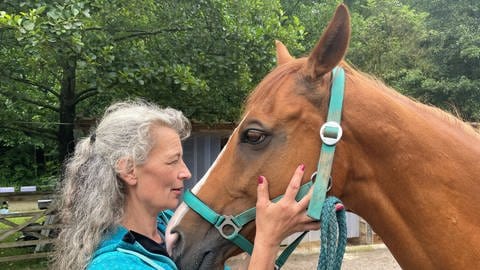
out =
column 198, row 255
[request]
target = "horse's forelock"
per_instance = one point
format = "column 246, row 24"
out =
column 270, row 85
column 315, row 91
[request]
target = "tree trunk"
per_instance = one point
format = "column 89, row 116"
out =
column 66, row 142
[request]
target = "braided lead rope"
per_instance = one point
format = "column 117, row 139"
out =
column 333, row 235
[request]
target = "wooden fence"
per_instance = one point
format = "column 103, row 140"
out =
column 36, row 228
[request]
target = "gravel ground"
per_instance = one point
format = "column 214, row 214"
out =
column 370, row 257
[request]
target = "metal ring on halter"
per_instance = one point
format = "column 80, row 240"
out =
column 228, row 222
column 328, row 140
column 330, row 180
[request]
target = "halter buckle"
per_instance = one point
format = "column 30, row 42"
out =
column 330, row 181
column 227, row 222
column 330, row 133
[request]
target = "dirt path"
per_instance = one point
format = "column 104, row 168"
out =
column 372, row 257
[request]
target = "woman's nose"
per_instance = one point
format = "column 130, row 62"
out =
column 185, row 174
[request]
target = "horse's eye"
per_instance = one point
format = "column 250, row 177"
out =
column 253, row 136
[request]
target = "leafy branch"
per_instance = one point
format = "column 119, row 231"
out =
column 90, row 92
column 29, row 130
column 142, row 33
column 23, row 98
column 37, row 85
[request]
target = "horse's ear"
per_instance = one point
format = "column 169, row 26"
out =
column 332, row 46
column 283, row 56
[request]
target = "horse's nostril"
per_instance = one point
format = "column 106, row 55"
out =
column 175, row 244
column 171, row 241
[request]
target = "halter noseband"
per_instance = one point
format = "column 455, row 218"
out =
column 331, row 132
column 229, row 226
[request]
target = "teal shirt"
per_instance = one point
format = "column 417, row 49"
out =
column 115, row 253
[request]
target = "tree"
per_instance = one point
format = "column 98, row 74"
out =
column 202, row 57
column 454, row 42
column 386, row 35
column 65, row 60
column 429, row 50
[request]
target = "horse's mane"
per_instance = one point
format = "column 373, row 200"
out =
column 434, row 111
column 273, row 80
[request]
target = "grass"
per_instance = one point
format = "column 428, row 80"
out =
column 18, row 220
column 33, row 264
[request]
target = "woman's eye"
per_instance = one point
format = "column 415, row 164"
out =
column 172, row 162
column 253, row 136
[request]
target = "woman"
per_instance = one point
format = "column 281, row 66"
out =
column 121, row 182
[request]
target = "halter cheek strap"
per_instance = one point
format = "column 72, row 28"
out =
column 330, row 133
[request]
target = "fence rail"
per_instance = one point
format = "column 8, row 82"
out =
column 37, row 229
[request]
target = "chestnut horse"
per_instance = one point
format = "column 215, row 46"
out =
column 410, row 170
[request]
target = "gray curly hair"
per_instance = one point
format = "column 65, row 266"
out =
column 92, row 196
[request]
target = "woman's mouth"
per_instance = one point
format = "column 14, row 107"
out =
column 177, row 191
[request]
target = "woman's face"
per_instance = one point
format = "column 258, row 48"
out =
column 160, row 179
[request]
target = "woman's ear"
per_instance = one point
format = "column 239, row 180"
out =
column 126, row 171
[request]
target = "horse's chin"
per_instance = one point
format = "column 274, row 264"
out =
column 208, row 253
column 208, row 261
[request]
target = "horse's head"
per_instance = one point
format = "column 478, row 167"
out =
column 279, row 130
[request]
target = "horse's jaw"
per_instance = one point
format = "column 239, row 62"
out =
column 204, row 259
column 206, row 254
column 208, row 251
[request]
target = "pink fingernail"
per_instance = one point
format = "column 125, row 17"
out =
column 302, row 167
column 260, row 179
column 339, row 207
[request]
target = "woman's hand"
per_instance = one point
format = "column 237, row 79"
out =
column 276, row 221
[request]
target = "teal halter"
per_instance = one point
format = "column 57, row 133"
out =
column 236, row 223
column 330, row 133
column 230, row 226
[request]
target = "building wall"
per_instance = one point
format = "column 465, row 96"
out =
column 199, row 152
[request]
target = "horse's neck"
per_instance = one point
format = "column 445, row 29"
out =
column 416, row 181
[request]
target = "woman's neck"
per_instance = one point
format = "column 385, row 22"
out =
column 138, row 219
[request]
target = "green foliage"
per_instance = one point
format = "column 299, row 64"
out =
column 15, row 166
column 454, row 49
column 387, row 36
column 202, row 57
column 429, row 50
column 314, row 16
column 388, row 41
column 221, row 50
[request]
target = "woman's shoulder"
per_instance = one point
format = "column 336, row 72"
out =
column 128, row 261
column 115, row 260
